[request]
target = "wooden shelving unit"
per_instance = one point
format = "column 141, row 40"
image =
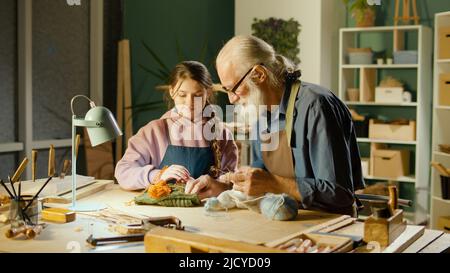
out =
column 441, row 128
column 368, row 76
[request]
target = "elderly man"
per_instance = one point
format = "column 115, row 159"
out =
column 317, row 160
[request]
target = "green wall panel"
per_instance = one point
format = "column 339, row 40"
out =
column 200, row 28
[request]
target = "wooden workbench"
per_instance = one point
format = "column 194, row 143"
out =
column 239, row 225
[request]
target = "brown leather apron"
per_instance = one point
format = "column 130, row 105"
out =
column 280, row 161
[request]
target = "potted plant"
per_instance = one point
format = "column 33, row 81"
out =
column 363, row 13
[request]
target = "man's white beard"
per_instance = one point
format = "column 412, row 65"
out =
column 248, row 111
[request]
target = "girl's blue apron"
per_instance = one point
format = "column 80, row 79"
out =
column 197, row 160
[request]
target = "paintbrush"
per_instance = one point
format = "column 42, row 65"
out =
column 51, row 161
column 12, row 186
column 37, row 194
column 33, row 164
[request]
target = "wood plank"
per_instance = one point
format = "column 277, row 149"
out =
column 97, row 186
column 128, row 118
column 428, row 237
column 439, row 245
column 317, row 227
column 410, row 235
column 119, row 106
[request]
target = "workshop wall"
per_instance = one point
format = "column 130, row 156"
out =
column 163, row 24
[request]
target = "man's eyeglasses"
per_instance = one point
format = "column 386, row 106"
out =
column 236, row 86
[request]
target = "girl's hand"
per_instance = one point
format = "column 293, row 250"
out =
column 177, row 172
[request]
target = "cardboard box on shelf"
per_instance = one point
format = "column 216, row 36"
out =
column 402, row 131
column 389, row 94
column 390, row 163
column 444, row 89
column 444, row 43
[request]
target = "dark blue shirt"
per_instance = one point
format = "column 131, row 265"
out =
column 324, row 147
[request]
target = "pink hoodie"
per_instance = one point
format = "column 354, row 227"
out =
column 146, row 149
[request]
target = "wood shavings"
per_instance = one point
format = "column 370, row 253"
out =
column 114, row 216
column 3, row 218
column 78, row 229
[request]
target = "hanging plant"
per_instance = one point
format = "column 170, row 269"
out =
column 281, row 34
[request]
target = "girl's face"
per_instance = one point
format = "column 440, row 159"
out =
column 189, row 97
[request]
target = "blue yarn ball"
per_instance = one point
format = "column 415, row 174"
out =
column 212, row 204
column 280, row 207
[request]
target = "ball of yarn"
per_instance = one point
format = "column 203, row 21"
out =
column 212, row 204
column 280, row 207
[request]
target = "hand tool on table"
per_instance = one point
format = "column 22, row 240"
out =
column 33, row 164
column 19, row 171
column 386, row 223
column 373, row 197
column 147, row 224
column 65, row 168
column 51, row 161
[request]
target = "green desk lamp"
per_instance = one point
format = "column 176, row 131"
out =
column 101, row 127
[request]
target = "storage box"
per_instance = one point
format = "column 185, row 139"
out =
column 444, row 43
column 365, row 166
column 444, row 223
column 360, row 57
column 444, row 89
column 389, row 94
column 404, row 131
column 406, row 57
column 390, row 163
column 336, row 244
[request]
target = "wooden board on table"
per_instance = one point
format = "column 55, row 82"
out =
column 427, row 238
column 409, row 236
column 236, row 224
column 97, row 186
column 439, row 245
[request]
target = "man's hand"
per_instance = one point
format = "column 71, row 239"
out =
column 205, row 186
column 257, row 182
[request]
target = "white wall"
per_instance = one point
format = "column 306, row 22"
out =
column 320, row 20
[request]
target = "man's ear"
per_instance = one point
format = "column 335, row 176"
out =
column 259, row 74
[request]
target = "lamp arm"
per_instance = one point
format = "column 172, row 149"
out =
column 91, row 103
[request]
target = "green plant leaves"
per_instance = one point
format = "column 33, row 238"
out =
column 281, row 34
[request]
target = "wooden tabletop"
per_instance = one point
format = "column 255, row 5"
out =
column 240, row 225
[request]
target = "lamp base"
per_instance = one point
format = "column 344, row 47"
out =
column 88, row 207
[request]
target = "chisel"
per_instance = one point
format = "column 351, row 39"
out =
column 19, row 170
column 66, row 166
column 51, row 161
column 33, row 164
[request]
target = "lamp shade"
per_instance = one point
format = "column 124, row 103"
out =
column 108, row 129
